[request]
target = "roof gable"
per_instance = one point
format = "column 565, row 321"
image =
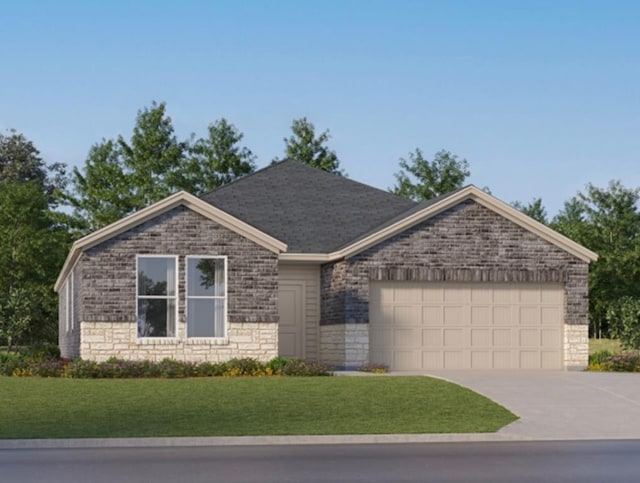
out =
column 428, row 209
column 181, row 198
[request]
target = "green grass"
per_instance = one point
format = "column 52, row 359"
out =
column 81, row 408
column 598, row 345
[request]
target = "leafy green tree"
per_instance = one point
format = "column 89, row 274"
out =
column 33, row 245
column 307, row 147
column 421, row 179
column 218, row 159
column 624, row 322
column 607, row 221
column 120, row 176
column 21, row 161
column 533, row 209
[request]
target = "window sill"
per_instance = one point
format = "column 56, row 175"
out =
column 207, row 341
column 158, row 341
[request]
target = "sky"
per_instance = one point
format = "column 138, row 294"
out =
column 540, row 97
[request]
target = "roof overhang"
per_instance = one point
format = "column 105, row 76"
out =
column 468, row 193
column 182, row 198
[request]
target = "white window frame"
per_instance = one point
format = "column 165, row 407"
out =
column 175, row 298
column 206, row 297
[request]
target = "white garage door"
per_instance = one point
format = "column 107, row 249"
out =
column 420, row 325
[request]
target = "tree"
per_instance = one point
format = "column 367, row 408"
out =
column 21, row 161
column 120, row 176
column 218, row 159
column 304, row 146
column 533, row 209
column 607, row 221
column 623, row 317
column 33, row 245
column 421, row 179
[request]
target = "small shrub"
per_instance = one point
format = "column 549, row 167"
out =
column 374, row 368
column 598, row 357
column 628, row 362
column 211, row 369
column 624, row 322
column 244, row 367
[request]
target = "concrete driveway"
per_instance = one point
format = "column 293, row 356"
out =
column 561, row 405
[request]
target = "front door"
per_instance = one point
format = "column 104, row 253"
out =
column 290, row 329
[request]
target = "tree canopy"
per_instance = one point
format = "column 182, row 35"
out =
column 305, row 146
column 534, row 209
column 421, row 179
column 607, row 221
column 122, row 176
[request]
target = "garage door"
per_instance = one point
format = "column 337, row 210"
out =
column 421, row 326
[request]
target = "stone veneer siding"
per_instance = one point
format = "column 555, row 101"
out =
column 576, row 347
column 108, row 295
column 467, row 243
column 345, row 346
column 102, row 340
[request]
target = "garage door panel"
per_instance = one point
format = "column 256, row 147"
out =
column 551, row 315
column 455, row 315
column 481, row 360
column 481, row 315
column 380, row 338
column 502, row 315
column 457, row 294
column 502, row 337
column 481, row 338
column 473, row 325
column 529, row 315
column 501, row 359
column 454, row 360
column 406, row 338
column 432, row 338
column 432, row 360
column 411, row 294
column 407, row 360
column 454, row 338
column 550, row 338
column 432, row 316
column 433, row 295
column 529, row 338
column 550, row 359
column 404, row 315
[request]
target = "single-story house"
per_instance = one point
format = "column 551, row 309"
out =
column 299, row 262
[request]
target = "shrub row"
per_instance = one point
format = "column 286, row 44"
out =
column 607, row 362
column 167, row 368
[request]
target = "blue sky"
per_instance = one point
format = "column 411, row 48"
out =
column 541, row 97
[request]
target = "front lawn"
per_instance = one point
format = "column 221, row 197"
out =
column 599, row 345
column 86, row 408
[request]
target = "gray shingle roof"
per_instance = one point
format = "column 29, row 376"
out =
column 310, row 210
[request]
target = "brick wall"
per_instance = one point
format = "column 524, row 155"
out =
column 108, row 277
column 468, row 243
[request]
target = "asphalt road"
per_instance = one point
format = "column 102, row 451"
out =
column 583, row 461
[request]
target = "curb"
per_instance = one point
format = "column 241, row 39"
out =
column 253, row 440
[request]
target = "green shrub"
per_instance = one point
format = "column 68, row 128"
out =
column 599, row 357
column 624, row 322
column 629, row 362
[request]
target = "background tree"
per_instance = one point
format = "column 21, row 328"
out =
column 218, row 159
column 21, row 161
column 421, row 179
column 303, row 145
column 607, row 221
column 534, row 209
column 32, row 249
column 120, row 176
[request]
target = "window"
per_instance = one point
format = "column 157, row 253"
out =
column 157, row 296
column 206, row 296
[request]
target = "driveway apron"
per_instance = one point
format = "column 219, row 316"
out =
column 560, row 405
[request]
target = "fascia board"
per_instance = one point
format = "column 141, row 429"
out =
column 470, row 192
